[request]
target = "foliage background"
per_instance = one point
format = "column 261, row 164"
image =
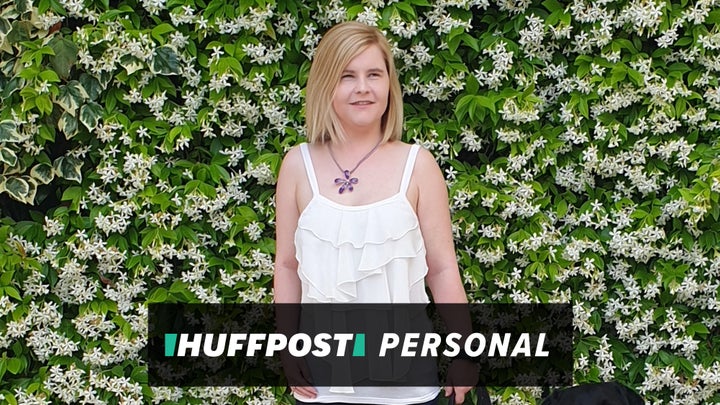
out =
column 140, row 141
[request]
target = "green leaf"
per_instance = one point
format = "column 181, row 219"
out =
column 9, row 133
column 161, row 30
column 6, row 277
column 165, row 61
column 486, row 102
column 139, row 375
column 43, row 172
column 111, row 15
column 8, row 156
column 68, row 168
column 697, row 328
column 618, row 73
column 11, row 291
column 49, row 76
column 178, row 286
column 713, row 17
column 47, row 133
column 14, row 365
column 44, row 104
column 468, row 40
column 562, row 208
column 462, row 107
column 552, row 5
column 90, row 115
column 72, row 193
column 636, row 77
column 158, row 295
column 583, row 107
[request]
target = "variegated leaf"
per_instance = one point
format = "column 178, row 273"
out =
column 68, row 168
column 5, row 26
column 13, row 84
column 23, row 6
column 71, row 96
column 90, row 115
column 17, row 188
column 30, row 198
column 43, row 172
column 165, row 61
column 8, row 132
column 131, row 64
column 8, row 156
column 68, row 124
column 91, row 85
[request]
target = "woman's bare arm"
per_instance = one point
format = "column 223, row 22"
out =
column 433, row 212
column 286, row 282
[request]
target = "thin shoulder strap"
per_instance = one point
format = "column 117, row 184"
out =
column 409, row 165
column 309, row 169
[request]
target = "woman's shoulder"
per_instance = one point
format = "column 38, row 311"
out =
column 295, row 153
column 425, row 159
column 293, row 161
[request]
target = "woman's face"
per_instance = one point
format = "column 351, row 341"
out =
column 361, row 96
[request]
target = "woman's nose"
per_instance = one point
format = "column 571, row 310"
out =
column 361, row 85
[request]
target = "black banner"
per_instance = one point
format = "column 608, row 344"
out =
column 360, row 344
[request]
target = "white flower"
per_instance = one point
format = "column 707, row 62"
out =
column 253, row 231
column 286, row 25
column 262, row 173
column 369, row 16
column 236, row 154
column 53, row 227
column 154, row 6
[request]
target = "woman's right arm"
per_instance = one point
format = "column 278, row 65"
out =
column 286, row 282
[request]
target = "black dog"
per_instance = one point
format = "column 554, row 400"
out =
column 595, row 394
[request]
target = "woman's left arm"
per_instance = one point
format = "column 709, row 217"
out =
column 443, row 275
column 432, row 209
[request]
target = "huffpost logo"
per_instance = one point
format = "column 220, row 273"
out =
column 263, row 344
column 338, row 344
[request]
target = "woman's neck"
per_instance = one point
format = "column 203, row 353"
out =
column 357, row 143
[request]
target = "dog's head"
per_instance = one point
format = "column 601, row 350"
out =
column 595, row 394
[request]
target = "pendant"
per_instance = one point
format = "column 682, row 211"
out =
column 346, row 183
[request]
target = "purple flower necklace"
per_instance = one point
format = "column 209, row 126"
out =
column 348, row 182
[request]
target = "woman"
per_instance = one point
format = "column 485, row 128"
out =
column 361, row 216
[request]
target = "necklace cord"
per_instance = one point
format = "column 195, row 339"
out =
column 367, row 155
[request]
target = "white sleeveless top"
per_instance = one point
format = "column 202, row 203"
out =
column 371, row 253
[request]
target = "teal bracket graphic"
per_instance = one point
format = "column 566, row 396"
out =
column 359, row 347
column 170, row 339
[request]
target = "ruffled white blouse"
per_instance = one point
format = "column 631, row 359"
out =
column 372, row 253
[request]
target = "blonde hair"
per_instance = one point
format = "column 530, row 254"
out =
column 337, row 48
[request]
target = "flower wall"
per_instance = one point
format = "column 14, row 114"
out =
column 140, row 142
